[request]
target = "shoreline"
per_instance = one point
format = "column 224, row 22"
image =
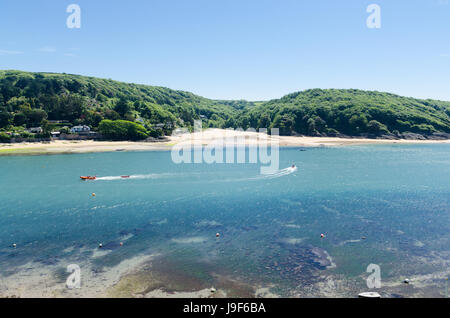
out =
column 150, row 275
column 197, row 139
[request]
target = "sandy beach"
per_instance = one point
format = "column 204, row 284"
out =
column 204, row 138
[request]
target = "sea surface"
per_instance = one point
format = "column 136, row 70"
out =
column 387, row 205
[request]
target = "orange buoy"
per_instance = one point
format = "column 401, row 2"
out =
column 121, row 244
column 93, row 194
column 217, row 234
column 322, row 235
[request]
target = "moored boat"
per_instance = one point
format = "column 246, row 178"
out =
column 369, row 295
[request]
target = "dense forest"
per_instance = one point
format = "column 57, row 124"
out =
column 43, row 99
column 349, row 112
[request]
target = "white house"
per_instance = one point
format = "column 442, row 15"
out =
column 80, row 129
column 35, row 130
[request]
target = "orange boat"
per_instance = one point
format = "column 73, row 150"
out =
column 88, row 178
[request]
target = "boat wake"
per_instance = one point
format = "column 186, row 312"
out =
column 138, row 176
column 277, row 174
column 280, row 173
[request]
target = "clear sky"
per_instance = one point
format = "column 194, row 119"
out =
column 237, row 49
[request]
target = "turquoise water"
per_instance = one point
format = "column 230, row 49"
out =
column 383, row 204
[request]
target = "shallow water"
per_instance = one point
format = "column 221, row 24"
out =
column 382, row 204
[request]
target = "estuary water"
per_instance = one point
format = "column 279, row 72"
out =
column 387, row 205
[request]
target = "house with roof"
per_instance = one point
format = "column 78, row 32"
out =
column 80, row 129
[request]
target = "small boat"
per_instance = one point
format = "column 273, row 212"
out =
column 88, row 178
column 369, row 295
column 125, row 177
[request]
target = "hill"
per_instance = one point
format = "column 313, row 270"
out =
column 351, row 112
column 33, row 99
column 28, row 98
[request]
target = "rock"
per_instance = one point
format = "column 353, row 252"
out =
column 111, row 245
column 439, row 136
column 412, row 136
column 321, row 257
column 389, row 137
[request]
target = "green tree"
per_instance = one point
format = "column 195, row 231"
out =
column 111, row 114
column 122, row 130
column 35, row 117
column 377, row 128
column 4, row 137
column 20, row 119
column 5, row 118
column 122, row 107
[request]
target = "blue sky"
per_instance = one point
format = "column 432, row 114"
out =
column 237, row 49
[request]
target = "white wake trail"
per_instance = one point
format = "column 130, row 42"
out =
column 138, row 176
column 278, row 174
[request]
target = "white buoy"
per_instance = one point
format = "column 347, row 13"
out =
column 369, row 295
column 14, row 245
column 406, row 281
column 100, row 245
column 213, row 290
column 217, row 234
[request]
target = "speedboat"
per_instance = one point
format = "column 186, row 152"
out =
column 88, row 178
column 125, row 177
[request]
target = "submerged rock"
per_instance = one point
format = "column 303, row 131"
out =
column 111, row 245
column 299, row 263
column 322, row 258
column 49, row 260
column 249, row 228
